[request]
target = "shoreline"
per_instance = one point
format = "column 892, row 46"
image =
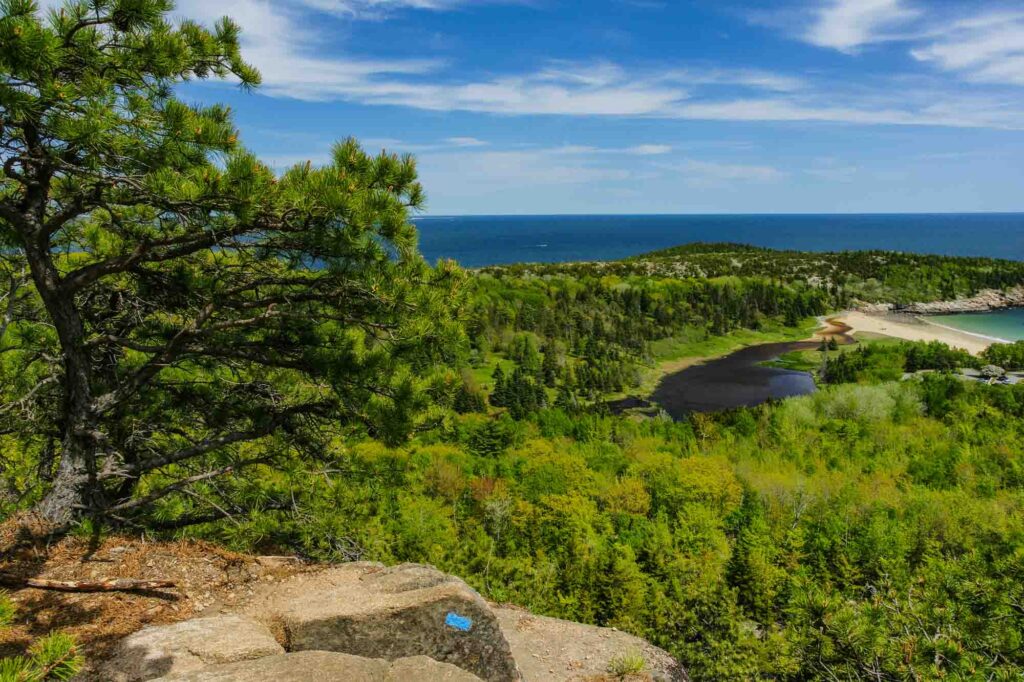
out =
column 833, row 327
column 916, row 328
column 986, row 337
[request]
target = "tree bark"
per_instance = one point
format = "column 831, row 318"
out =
column 29, row 220
column 74, row 482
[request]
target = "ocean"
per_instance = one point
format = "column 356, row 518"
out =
column 1007, row 325
column 475, row 241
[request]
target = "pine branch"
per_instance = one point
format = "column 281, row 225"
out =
column 272, row 423
column 184, row 483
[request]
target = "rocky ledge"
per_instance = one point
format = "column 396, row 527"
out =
column 983, row 301
column 366, row 622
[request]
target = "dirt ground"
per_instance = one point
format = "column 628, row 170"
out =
column 208, row 579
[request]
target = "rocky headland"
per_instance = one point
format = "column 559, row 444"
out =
column 983, row 301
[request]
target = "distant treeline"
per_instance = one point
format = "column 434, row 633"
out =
column 873, row 276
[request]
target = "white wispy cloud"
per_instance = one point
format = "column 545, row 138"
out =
column 289, row 50
column 646, row 149
column 703, row 173
column 608, row 90
column 756, row 79
column 987, row 48
column 300, row 59
column 848, row 24
column 507, row 170
column 466, row 142
column 588, row 91
column 381, row 9
column 488, row 171
column 833, row 170
column 463, row 147
column 649, row 149
column 980, row 41
column 949, row 113
column 502, row 175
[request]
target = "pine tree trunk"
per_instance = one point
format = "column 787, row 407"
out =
column 74, row 482
column 67, row 495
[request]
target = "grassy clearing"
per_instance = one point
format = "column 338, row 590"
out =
column 810, row 360
column 483, row 372
column 800, row 360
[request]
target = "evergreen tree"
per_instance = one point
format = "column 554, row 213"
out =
column 625, row 589
column 566, row 399
column 499, row 394
column 184, row 301
column 549, row 367
column 469, row 397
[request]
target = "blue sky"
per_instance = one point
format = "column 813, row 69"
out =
column 648, row 106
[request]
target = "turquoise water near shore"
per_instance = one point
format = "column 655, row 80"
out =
column 1002, row 324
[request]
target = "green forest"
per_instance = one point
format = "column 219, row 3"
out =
column 195, row 346
column 846, row 277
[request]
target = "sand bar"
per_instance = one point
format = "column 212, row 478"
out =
column 912, row 328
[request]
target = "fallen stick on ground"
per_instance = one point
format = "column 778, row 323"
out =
column 109, row 585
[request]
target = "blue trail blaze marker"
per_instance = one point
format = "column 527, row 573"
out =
column 454, row 620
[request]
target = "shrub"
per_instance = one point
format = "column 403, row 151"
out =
column 628, row 663
column 54, row 657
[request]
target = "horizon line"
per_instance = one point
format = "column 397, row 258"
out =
column 716, row 214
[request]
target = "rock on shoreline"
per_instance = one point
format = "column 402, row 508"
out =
column 983, row 301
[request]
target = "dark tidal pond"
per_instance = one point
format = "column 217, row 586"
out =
column 736, row 380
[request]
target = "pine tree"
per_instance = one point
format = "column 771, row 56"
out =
column 499, row 394
column 566, row 399
column 469, row 398
column 549, row 367
column 185, row 302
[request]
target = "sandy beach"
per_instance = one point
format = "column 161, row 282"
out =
column 912, row 328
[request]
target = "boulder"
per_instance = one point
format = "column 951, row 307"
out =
column 992, row 371
column 326, row 666
column 368, row 610
column 549, row 649
column 187, row 646
column 365, row 622
column 425, row 668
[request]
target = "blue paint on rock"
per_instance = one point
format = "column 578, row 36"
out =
column 454, row 620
